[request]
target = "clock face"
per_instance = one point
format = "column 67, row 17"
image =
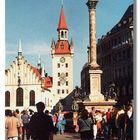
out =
column 62, row 59
column 62, row 78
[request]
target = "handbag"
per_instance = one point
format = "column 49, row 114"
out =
column 90, row 126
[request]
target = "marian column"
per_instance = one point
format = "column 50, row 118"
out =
column 92, row 32
column 94, row 69
column 91, row 73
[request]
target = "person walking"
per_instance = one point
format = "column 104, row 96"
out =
column 59, row 123
column 129, row 123
column 55, row 120
column 18, row 116
column 41, row 125
column 120, row 123
column 63, row 123
column 12, row 124
column 85, row 126
column 25, row 121
column 94, row 120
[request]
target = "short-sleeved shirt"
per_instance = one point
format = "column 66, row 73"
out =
column 12, row 124
column 25, row 118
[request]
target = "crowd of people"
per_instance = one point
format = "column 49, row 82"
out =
column 40, row 125
column 95, row 124
column 115, row 123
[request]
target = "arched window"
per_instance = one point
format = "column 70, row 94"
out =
column 7, row 98
column 65, row 34
column 62, row 34
column 32, row 98
column 19, row 96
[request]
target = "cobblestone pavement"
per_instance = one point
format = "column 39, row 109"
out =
column 67, row 136
column 73, row 136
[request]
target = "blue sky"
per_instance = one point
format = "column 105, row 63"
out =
column 35, row 23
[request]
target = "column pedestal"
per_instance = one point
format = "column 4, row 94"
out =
column 95, row 86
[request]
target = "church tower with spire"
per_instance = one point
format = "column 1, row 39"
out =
column 62, row 60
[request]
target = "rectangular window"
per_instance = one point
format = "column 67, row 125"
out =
column 119, row 40
column 115, row 73
column 66, row 74
column 119, row 56
column 123, row 55
column 128, row 54
column 123, row 71
column 58, row 91
column 58, row 74
column 66, row 65
column 58, row 65
column 63, row 91
column 58, row 83
column 120, row 75
column 128, row 69
column 67, row 91
column 66, row 83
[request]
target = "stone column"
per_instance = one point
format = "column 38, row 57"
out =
column 92, row 32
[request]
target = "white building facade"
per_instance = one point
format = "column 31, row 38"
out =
column 25, row 86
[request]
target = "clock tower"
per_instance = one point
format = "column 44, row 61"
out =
column 62, row 61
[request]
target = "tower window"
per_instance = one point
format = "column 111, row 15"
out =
column 66, row 65
column 63, row 91
column 62, row 34
column 65, row 34
column 58, row 91
column 58, row 74
column 58, row 83
column 58, row 65
column 66, row 73
column 67, row 91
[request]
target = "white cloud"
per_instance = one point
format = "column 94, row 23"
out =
column 34, row 48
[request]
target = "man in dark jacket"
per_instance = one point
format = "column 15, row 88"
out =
column 41, row 125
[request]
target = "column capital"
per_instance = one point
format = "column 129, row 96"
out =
column 92, row 4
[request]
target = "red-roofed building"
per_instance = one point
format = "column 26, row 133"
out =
column 25, row 85
column 62, row 21
column 62, row 60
